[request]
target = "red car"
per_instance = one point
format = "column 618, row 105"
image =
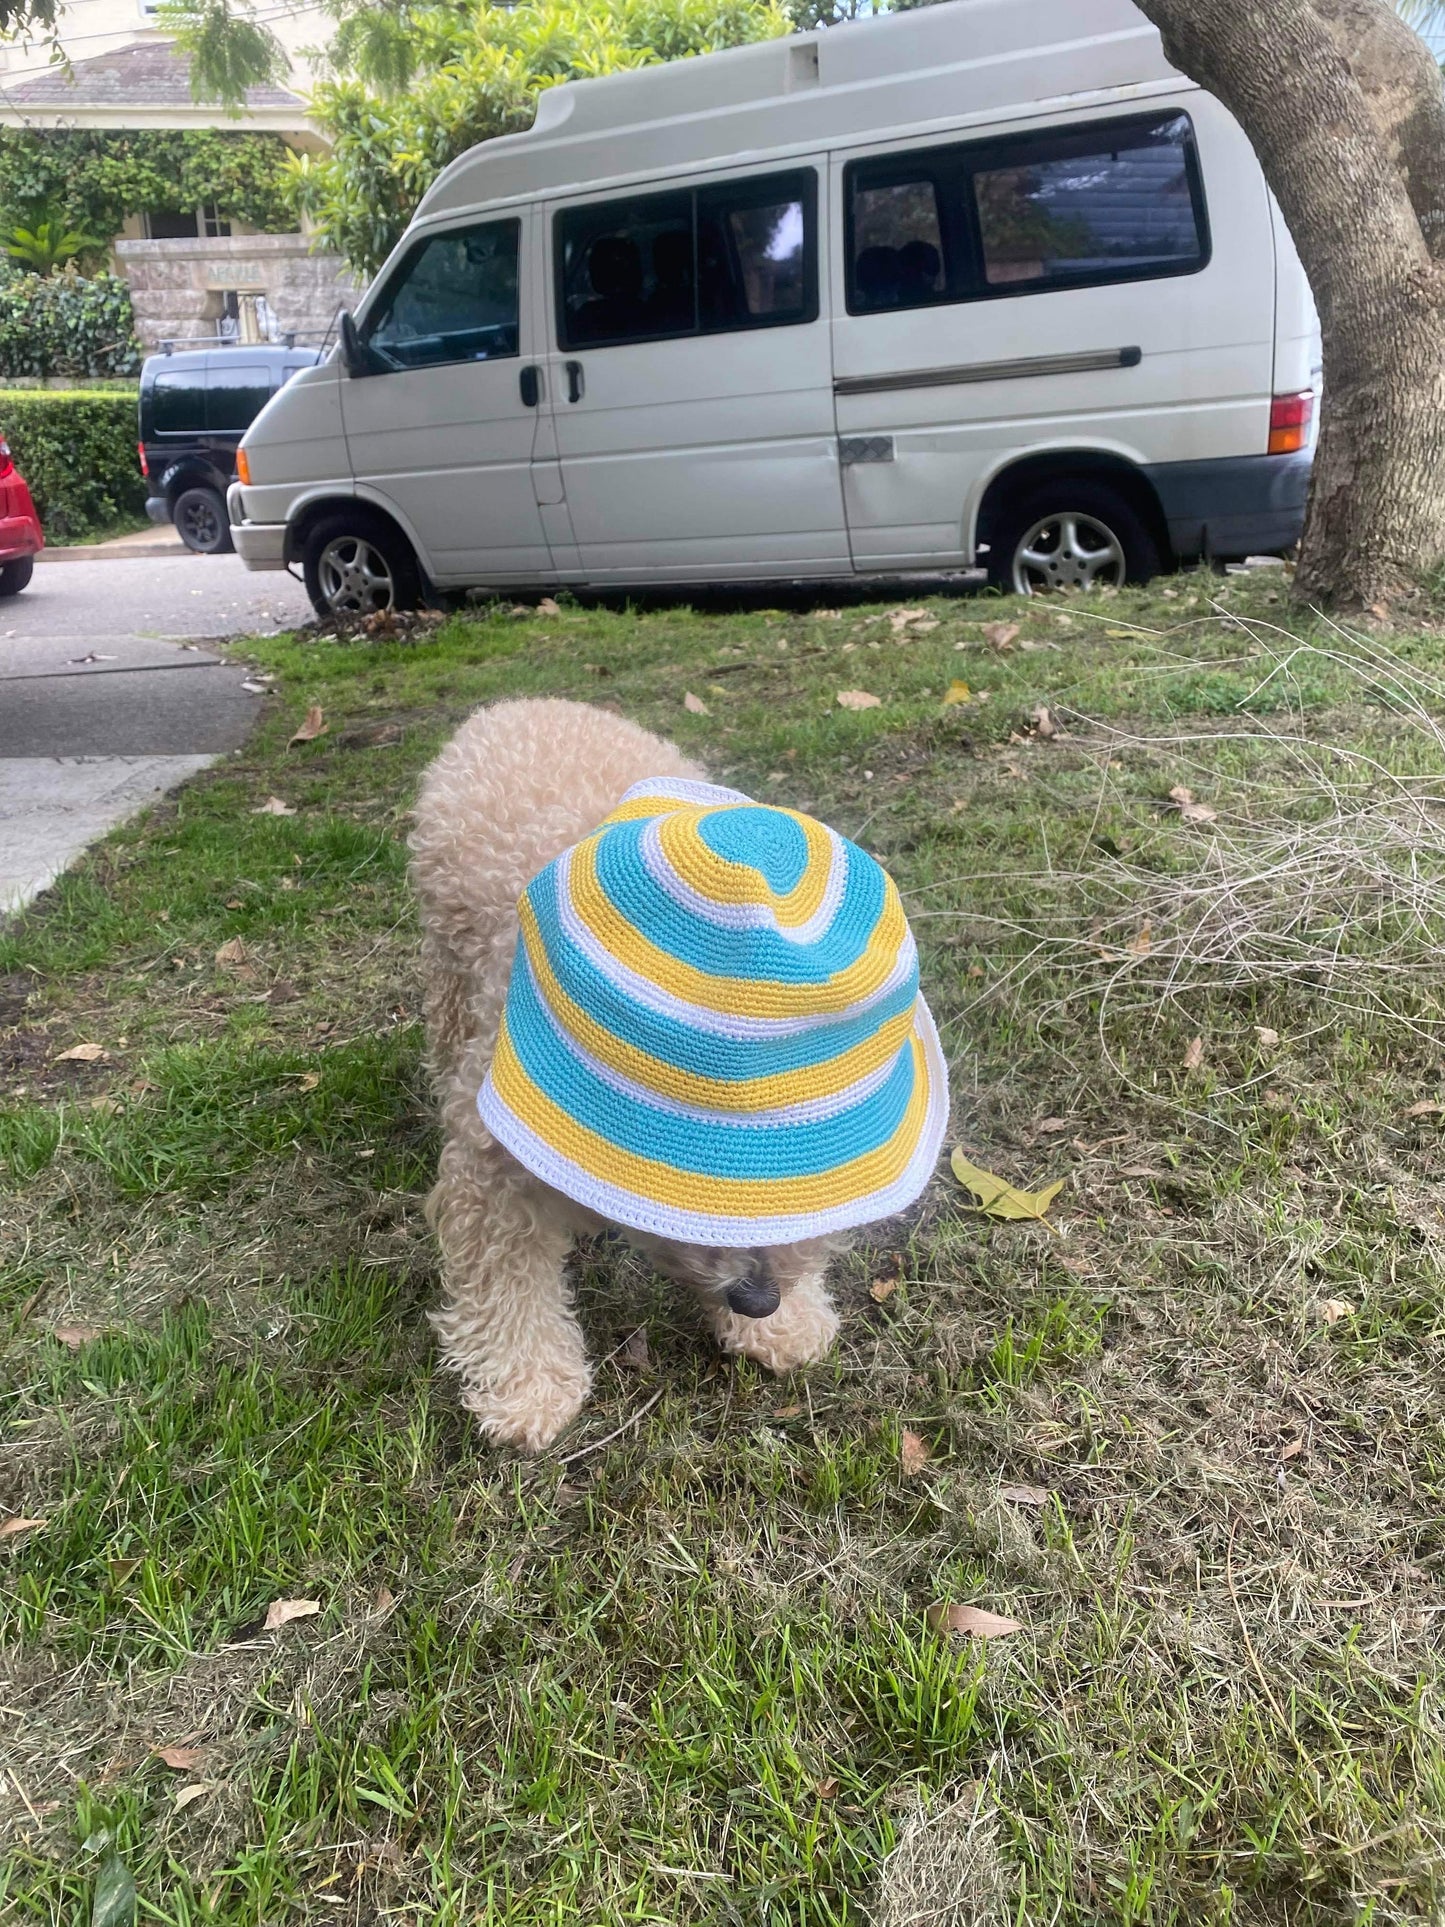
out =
column 20, row 537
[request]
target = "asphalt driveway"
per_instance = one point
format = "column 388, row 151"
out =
column 109, row 694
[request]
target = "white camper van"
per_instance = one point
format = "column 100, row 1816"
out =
column 982, row 282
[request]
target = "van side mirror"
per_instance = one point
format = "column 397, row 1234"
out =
column 358, row 358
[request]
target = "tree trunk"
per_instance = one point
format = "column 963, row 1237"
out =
column 1349, row 127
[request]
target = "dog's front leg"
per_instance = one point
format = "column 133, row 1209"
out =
column 506, row 1323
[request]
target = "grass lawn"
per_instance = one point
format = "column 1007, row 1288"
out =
column 1191, row 1433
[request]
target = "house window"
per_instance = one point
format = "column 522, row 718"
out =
column 185, row 224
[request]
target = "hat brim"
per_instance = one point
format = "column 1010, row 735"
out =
column 643, row 1196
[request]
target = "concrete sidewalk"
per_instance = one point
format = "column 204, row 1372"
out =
column 110, row 695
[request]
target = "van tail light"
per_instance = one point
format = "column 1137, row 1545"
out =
column 7, row 464
column 145, row 467
column 1289, row 422
column 243, row 468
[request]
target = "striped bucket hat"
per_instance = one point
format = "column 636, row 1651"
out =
column 713, row 1029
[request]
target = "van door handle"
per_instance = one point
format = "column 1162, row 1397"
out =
column 575, row 383
column 530, row 382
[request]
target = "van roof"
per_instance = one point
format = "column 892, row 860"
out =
column 969, row 59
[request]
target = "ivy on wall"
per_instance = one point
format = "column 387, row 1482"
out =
column 66, row 325
column 93, row 179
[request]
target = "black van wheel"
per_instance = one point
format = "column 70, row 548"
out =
column 16, row 575
column 201, row 521
column 1076, row 533
column 357, row 564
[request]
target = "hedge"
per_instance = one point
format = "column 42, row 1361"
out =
column 76, row 447
column 66, row 324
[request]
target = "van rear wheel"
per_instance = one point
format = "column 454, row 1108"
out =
column 359, row 565
column 1071, row 534
column 201, row 521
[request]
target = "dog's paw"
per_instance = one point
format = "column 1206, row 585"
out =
column 799, row 1332
column 528, row 1413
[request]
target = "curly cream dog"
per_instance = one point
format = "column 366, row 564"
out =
column 521, row 785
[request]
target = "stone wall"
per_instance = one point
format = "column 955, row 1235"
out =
column 178, row 287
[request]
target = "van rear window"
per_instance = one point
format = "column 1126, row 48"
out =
column 1062, row 208
column 178, row 404
column 704, row 261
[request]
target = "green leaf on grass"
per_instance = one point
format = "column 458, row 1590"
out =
column 113, row 1903
column 996, row 1199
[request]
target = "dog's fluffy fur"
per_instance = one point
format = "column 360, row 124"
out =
column 518, row 784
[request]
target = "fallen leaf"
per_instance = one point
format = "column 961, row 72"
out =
column 234, row 903
column 827, row 1789
column 945, row 1617
column 1141, row 945
column 913, row 1454
column 182, row 1758
column 858, row 699
column 10, row 1527
column 273, row 806
column 112, row 1904
column 383, row 1599
column 794, row 1410
column 957, row 692
column 254, row 687
column 315, row 725
column 82, row 1054
column 1044, row 725
column 634, row 1354
column 1189, row 810
column 1293, row 1449
column 1000, row 635
column 282, row 992
column 122, row 1569
column 74, row 1337
column 899, row 619
column 1052, row 1124
column 73, row 661
column 548, row 607
column 997, row 1199
column 1426, row 1108
column 187, row 1796
column 1268, row 1038
column 305, row 1080
column 1194, row 1054
column 233, row 951
column 1332, row 1310
column 882, row 1289
column 1025, row 1494
column 826, row 615
column 694, row 705
column 281, row 1612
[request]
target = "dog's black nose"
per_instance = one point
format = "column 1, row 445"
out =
column 755, row 1294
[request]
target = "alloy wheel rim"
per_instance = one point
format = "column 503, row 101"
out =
column 202, row 524
column 354, row 577
column 1068, row 550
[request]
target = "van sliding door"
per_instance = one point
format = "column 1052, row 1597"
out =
column 691, row 380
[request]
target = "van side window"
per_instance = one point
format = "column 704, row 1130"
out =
column 452, row 298
column 178, row 404
column 1085, row 207
column 1066, row 208
column 699, row 261
column 235, row 394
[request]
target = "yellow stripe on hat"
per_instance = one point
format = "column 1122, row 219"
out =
column 722, row 880
column 768, row 1093
column 737, row 996
column 698, row 1193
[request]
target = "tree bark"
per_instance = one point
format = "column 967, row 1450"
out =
column 1350, row 131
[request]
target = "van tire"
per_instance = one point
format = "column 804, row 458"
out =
column 201, row 521
column 16, row 575
column 358, row 564
column 1082, row 533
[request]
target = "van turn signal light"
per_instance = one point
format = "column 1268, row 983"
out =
column 243, row 466
column 1289, row 422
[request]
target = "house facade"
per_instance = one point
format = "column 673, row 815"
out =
column 196, row 274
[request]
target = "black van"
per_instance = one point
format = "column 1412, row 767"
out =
column 194, row 408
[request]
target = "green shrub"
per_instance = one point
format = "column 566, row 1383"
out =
column 66, row 324
column 76, row 449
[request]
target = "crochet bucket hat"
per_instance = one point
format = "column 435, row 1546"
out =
column 713, row 1030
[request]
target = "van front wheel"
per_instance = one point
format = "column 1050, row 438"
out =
column 359, row 565
column 1078, row 534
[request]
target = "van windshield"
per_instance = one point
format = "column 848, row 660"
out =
column 453, row 298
